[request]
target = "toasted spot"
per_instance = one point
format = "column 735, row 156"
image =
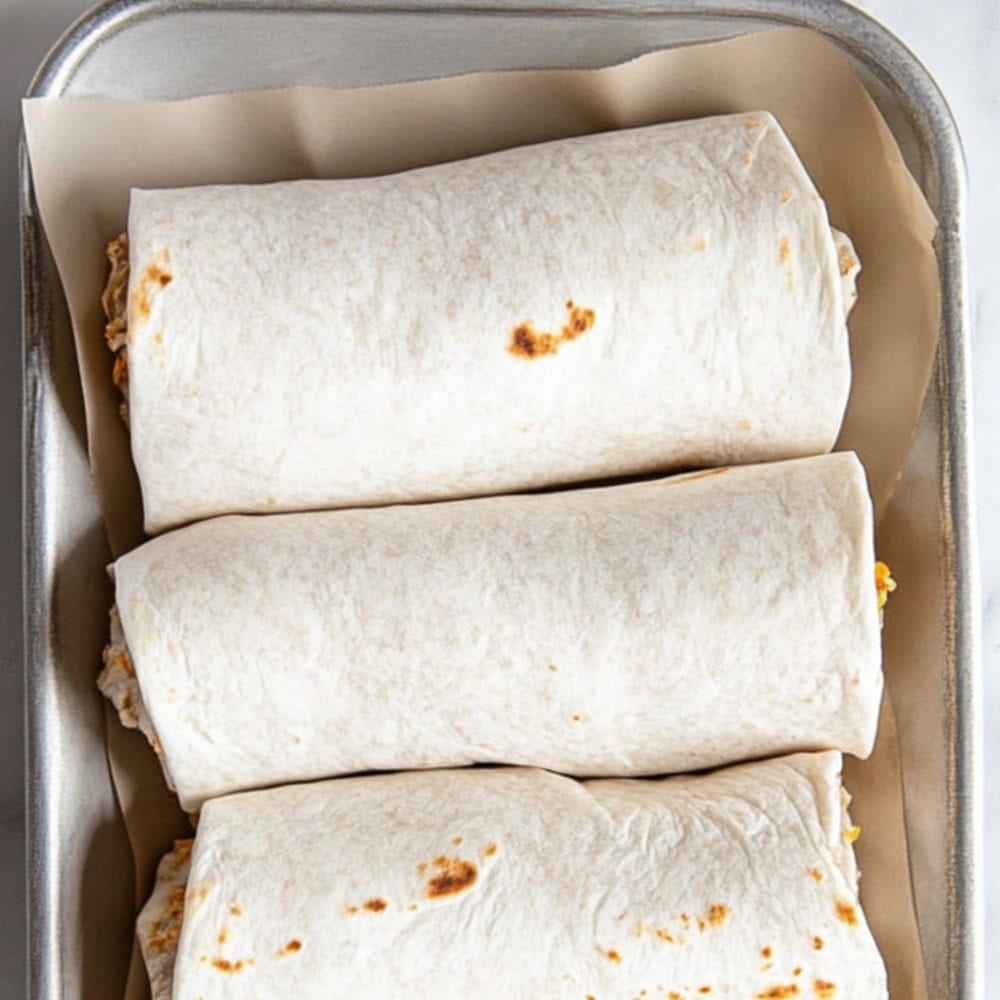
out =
column 816, row 874
column 704, row 989
column 817, row 943
column 765, row 952
column 779, row 992
column 824, row 989
column 784, row 249
column 291, row 947
column 489, row 850
column 747, row 159
column 155, row 276
column 718, row 914
column 455, row 875
column 412, row 907
column 699, row 244
column 612, row 956
column 846, row 913
column 576, row 717
column 749, row 123
column 421, row 868
column 350, row 910
column 223, row 934
column 786, row 196
column 225, row 965
column 528, row 342
column 745, row 425
column 376, row 905
column 456, row 841
column 852, row 833
column 553, row 667
column 236, row 911
column 797, row 971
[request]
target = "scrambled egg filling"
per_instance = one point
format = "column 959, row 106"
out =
column 884, row 583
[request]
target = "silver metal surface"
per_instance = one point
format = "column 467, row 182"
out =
column 79, row 897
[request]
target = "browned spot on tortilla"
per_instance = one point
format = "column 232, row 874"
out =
column 553, row 667
column 765, row 952
column 163, row 933
column 817, row 943
column 528, row 342
column 686, row 919
column 816, row 874
column 824, row 989
column 158, row 338
column 749, row 123
column 489, row 850
column 412, row 906
column 293, row 946
column 236, row 911
column 223, row 934
column 376, row 905
column 786, row 196
column 744, row 425
column 846, row 913
column 350, row 910
column 704, row 989
column 456, row 841
column 779, row 992
column 455, row 875
column 155, row 276
column 296, row 739
column 612, row 956
column 225, row 965
column 674, row 995
column 699, row 244
column 797, row 971
column 747, row 159
column 784, row 249
column 577, row 717
column 717, row 914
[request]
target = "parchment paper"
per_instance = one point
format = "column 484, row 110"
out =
column 86, row 154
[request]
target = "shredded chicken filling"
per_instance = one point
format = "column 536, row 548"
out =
column 114, row 302
column 118, row 683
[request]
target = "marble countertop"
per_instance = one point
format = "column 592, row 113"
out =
column 960, row 44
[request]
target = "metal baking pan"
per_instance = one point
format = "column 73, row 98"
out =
column 80, row 904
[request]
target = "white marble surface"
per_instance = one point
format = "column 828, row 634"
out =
column 959, row 41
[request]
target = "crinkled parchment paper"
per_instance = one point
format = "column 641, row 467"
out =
column 87, row 153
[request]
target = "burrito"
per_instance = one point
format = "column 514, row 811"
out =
column 516, row 883
column 631, row 302
column 660, row 626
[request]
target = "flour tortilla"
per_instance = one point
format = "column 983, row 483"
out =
column 629, row 302
column 517, row 883
column 648, row 628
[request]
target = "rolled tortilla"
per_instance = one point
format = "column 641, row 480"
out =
column 517, row 883
column 641, row 629
column 634, row 301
